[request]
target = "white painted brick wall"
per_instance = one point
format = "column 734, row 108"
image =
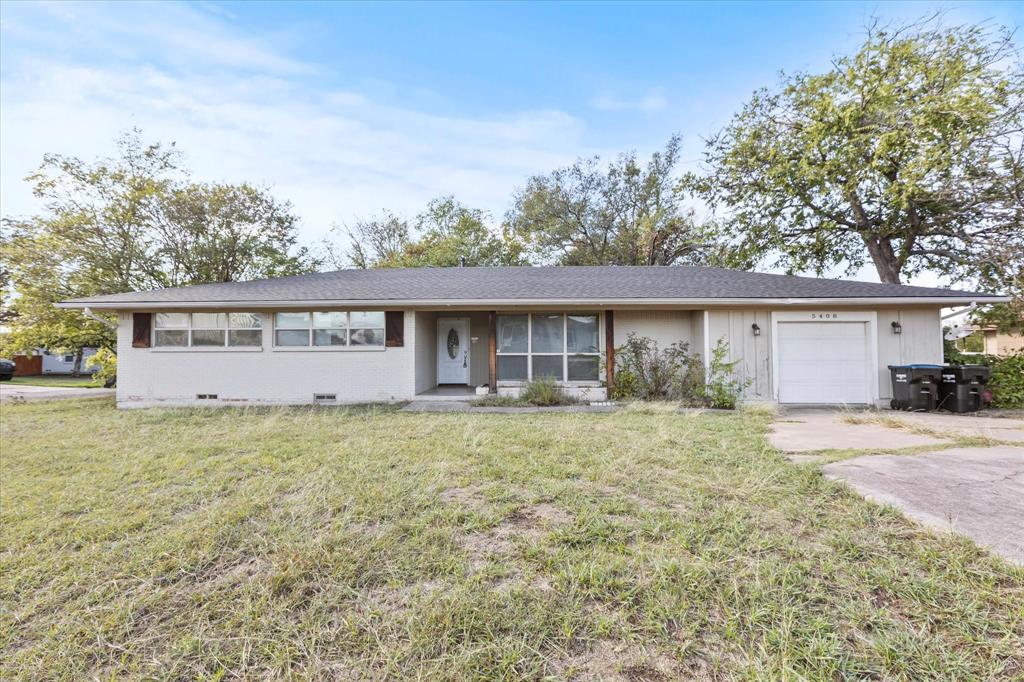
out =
column 162, row 376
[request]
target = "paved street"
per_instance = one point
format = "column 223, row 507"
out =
column 10, row 392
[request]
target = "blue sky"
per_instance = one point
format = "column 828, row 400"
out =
column 346, row 109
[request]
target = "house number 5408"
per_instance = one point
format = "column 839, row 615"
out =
column 824, row 316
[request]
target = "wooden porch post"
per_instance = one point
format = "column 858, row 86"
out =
column 492, row 351
column 609, row 349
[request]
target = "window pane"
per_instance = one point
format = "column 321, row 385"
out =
column 171, row 337
column 547, row 334
column 329, row 337
column 245, row 337
column 292, row 320
column 209, row 321
column 511, row 368
column 291, row 337
column 164, row 320
column 512, row 334
column 330, row 320
column 245, row 320
column 374, row 319
column 367, row 337
column 207, row 337
column 582, row 334
column 584, row 367
column 547, row 366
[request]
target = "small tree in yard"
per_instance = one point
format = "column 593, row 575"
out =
column 908, row 154
column 105, row 362
column 723, row 389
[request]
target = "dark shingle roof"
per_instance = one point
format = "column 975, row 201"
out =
column 528, row 283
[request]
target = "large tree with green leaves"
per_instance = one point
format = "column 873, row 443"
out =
column 126, row 223
column 95, row 237
column 226, row 233
column 900, row 155
column 445, row 234
column 620, row 213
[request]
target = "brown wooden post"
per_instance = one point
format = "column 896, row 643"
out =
column 492, row 351
column 609, row 349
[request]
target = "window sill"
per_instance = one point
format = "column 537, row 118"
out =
column 327, row 349
column 570, row 384
column 207, row 349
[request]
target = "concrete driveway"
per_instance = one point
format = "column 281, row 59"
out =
column 976, row 491
column 9, row 393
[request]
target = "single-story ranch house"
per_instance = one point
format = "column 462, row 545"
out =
column 403, row 334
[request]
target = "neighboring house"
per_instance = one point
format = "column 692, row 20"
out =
column 47, row 362
column 64, row 363
column 405, row 334
column 988, row 340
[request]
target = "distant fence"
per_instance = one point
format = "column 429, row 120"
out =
column 28, row 365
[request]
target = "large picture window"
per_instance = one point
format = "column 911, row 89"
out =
column 209, row 330
column 335, row 328
column 563, row 347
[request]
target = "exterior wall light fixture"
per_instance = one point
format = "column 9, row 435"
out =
column 897, row 328
column 754, row 328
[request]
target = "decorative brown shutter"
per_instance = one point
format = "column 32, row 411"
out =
column 141, row 325
column 609, row 349
column 394, row 328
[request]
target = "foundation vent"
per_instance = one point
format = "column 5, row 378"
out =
column 206, row 396
column 324, row 398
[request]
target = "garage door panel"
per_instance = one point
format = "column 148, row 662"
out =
column 823, row 362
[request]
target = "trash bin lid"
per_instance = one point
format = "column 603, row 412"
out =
column 925, row 366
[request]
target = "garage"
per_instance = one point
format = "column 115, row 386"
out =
column 824, row 361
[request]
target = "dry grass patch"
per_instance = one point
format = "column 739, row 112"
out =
column 372, row 544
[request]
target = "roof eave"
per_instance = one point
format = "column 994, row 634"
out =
column 489, row 303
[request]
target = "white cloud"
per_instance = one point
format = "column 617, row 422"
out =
column 651, row 102
column 335, row 154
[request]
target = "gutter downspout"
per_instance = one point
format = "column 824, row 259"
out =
column 955, row 313
column 87, row 311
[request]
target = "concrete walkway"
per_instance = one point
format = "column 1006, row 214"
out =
column 459, row 406
column 813, row 435
column 979, row 425
column 978, row 492
column 11, row 393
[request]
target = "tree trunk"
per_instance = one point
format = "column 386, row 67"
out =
column 887, row 264
column 77, row 370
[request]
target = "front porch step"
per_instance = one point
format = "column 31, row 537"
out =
column 447, row 393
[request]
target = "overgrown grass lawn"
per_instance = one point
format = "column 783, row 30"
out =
column 368, row 543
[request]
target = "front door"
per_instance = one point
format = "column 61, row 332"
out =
column 453, row 350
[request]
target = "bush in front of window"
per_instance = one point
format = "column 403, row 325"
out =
column 544, row 392
column 643, row 371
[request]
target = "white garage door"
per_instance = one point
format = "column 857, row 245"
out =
column 823, row 362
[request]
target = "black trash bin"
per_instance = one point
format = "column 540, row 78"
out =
column 915, row 387
column 963, row 388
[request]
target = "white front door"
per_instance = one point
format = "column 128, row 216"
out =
column 824, row 362
column 453, row 350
